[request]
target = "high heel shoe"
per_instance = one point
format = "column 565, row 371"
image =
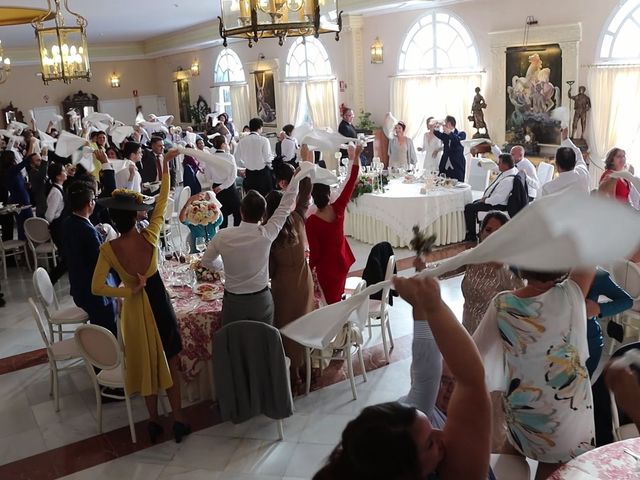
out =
column 180, row 430
column 155, row 430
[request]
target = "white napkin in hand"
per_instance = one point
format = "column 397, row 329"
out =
column 68, row 143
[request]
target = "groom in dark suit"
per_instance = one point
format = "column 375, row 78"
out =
column 452, row 163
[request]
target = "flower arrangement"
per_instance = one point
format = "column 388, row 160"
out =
column 203, row 212
column 203, row 274
column 369, row 183
column 124, row 192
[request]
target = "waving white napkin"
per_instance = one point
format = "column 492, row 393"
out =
column 562, row 115
column 99, row 121
column 388, row 124
column 321, row 139
column 191, row 138
column 152, row 127
column 626, row 175
column 214, row 118
column 120, row 133
column 18, row 127
column 68, row 143
column 47, row 140
column 555, row 233
column 219, row 165
column 164, row 119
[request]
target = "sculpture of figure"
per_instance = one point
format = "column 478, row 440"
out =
column 477, row 115
column 581, row 105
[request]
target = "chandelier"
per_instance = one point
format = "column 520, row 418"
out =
column 5, row 66
column 63, row 49
column 255, row 19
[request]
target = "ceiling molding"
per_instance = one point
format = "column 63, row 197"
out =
column 97, row 53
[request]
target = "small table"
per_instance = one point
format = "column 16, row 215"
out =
column 390, row 216
column 607, row 462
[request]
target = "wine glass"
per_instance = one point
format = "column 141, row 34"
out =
column 201, row 244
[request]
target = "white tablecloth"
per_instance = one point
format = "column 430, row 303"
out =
column 390, row 216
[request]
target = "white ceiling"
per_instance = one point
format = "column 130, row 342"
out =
column 115, row 21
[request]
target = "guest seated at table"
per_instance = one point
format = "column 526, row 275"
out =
column 573, row 173
column 392, row 441
column 150, row 330
column 618, row 188
column 402, row 153
column 495, row 197
column 330, row 254
column 452, row 162
column 202, row 215
column 245, row 252
column 534, row 345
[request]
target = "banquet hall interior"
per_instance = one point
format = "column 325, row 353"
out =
column 489, row 143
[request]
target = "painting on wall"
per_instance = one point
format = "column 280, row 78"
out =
column 266, row 97
column 534, row 91
column 184, row 101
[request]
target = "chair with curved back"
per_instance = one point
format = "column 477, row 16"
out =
column 39, row 240
column 100, row 349
column 56, row 316
column 379, row 311
column 184, row 195
column 63, row 351
column 627, row 275
column 12, row 248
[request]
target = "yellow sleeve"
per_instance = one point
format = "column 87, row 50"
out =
column 99, row 281
column 152, row 232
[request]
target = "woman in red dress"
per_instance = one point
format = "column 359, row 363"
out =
column 330, row 254
column 620, row 188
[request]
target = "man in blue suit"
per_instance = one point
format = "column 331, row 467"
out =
column 452, row 163
column 81, row 249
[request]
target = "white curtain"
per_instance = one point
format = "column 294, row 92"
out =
column 415, row 98
column 615, row 114
column 322, row 97
column 291, row 94
column 240, row 105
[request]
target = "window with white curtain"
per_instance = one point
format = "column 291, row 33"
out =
column 309, row 92
column 228, row 71
column 612, row 85
column 438, row 70
column 437, row 42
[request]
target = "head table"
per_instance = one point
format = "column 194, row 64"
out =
column 390, row 216
column 609, row 462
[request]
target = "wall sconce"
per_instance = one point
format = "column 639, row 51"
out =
column 114, row 80
column 195, row 68
column 376, row 51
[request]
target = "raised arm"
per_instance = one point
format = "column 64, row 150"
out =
column 304, row 195
column 619, row 299
column 566, row 142
column 152, row 232
column 276, row 222
column 469, row 414
column 354, row 159
column 583, row 278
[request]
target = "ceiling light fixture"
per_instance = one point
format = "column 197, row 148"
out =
column 63, row 49
column 5, row 66
column 255, row 19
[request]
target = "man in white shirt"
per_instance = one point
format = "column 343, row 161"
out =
column 254, row 153
column 225, row 187
column 289, row 145
column 494, row 198
column 573, row 173
column 245, row 252
column 523, row 165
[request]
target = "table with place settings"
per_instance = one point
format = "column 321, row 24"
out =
column 390, row 216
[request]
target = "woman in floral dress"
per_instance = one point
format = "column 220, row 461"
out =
column 534, row 344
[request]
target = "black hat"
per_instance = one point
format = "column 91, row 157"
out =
column 122, row 199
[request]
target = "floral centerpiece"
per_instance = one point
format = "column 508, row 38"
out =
column 203, row 274
column 368, row 183
column 203, row 212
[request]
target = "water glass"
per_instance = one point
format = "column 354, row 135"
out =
column 201, row 244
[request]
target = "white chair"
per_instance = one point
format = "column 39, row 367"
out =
column 166, row 233
column 545, row 173
column 39, row 239
column 478, row 175
column 627, row 275
column 184, row 195
column 55, row 315
column 620, row 432
column 13, row 248
column 64, row 351
column 379, row 310
column 101, row 349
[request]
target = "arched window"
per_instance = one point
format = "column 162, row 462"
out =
column 619, row 40
column 228, row 71
column 307, row 58
column 437, row 42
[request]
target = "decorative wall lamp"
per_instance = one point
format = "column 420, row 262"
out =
column 195, row 68
column 5, row 66
column 114, row 80
column 377, row 51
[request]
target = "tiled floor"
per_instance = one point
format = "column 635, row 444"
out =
column 31, row 432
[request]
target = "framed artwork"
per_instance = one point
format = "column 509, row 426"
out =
column 184, row 101
column 534, row 90
column 265, row 97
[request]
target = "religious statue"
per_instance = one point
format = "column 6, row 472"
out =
column 477, row 115
column 581, row 105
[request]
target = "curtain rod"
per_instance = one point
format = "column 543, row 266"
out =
column 610, row 65
column 437, row 74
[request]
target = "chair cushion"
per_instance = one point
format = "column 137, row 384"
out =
column 374, row 307
column 46, row 248
column 13, row 244
column 69, row 315
column 111, row 378
column 65, row 349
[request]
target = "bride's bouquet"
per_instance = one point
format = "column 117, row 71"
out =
column 203, row 212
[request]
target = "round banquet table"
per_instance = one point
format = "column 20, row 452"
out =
column 390, row 216
column 607, row 462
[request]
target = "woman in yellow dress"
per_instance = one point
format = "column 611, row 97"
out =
column 148, row 322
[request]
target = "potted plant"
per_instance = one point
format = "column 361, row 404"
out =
column 365, row 124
